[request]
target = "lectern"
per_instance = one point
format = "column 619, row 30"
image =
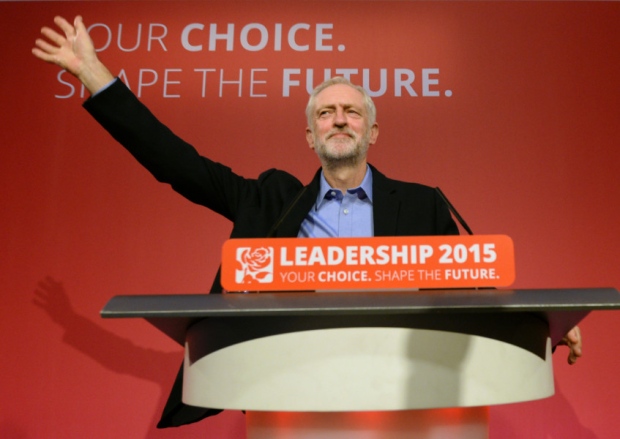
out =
column 422, row 364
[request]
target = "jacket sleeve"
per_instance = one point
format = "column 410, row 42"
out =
column 166, row 156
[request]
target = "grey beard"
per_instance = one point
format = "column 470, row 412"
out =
column 347, row 161
column 351, row 159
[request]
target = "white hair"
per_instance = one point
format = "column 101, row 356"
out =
column 368, row 103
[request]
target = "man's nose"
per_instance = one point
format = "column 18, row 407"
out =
column 339, row 117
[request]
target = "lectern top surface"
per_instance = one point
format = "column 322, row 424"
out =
column 561, row 309
column 331, row 303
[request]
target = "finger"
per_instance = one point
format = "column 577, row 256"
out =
column 565, row 341
column 80, row 28
column 66, row 27
column 45, row 46
column 78, row 24
column 574, row 335
column 53, row 36
column 573, row 356
column 39, row 54
column 575, row 353
column 562, row 342
column 572, row 359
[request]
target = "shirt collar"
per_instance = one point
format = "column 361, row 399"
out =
column 363, row 190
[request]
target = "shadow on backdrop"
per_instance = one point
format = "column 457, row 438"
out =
column 87, row 337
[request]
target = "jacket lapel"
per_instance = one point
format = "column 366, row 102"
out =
column 385, row 205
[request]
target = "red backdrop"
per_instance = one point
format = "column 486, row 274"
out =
column 515, row 118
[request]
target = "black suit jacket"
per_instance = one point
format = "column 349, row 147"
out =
column 274, row 204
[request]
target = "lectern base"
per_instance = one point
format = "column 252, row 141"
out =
column 453, row 423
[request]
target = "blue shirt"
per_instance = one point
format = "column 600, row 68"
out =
column 340, row 215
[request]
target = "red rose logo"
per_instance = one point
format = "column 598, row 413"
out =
column 256, row 265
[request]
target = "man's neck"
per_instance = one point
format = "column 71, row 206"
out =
column 346, row 176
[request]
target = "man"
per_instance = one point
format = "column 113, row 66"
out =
column 347, row 196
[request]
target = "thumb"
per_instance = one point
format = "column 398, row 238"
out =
column 78, row 23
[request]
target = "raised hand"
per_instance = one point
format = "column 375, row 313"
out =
column 73, row 50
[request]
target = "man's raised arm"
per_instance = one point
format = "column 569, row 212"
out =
column 74, row 51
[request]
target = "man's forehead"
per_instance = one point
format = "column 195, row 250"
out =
column 340, row 94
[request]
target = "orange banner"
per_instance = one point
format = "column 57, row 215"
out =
column 381, row 263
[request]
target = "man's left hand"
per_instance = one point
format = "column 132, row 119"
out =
column 573, row 340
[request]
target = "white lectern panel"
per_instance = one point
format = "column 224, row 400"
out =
column 366, row 369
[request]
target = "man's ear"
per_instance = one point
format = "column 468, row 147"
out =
column 374, row 133
column 310, row 138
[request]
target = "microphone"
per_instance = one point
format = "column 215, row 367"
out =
column 458, row 217
column 462, row 222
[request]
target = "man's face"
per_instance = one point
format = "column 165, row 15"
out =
column 341, row 133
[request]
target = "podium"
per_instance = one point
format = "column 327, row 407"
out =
column 419, row 364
